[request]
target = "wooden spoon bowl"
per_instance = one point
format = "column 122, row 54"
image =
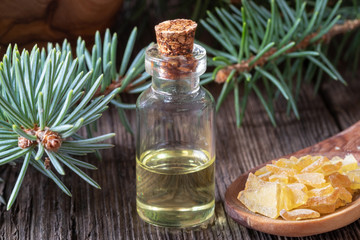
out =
column 340, row 145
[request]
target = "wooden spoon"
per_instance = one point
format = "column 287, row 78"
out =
column 341, row 144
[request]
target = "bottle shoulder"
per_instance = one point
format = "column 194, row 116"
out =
column 207, row 94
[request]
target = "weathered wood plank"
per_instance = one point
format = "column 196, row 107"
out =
column 343, row 101
column 42, row 211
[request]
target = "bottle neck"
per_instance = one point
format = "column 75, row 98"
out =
column 175, row 87
column 173, row 75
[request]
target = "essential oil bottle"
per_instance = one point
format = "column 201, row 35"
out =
column 175, row 145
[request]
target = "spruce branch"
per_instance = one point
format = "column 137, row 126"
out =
column 44, row 100
column 47, row 96
column 131, row 76
column 252, row 62
column 256, row 40
column 347, row 26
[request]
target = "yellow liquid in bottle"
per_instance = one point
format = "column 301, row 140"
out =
column 175, row 187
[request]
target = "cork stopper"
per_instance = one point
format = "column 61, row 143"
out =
column 176, row 37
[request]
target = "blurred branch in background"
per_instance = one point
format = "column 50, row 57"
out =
column 276, row 49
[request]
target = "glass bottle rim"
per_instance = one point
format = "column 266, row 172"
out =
column 153, row 54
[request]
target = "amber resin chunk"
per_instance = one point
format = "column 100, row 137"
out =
column 303, row 162
column 354, row 177
column 261, row 197
column 315, row 165
column 299, row 214
column 339, row 180
column 302, row 188
column 294, row 195
column 349, row 163
column 330, row 168
column 280, row 170
column 317, row 192
column 311, row 179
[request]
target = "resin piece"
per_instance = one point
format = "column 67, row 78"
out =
column 299, row 214
column 280, row 178
column 261, row 171
column 261, row 197
column 344, row 195
column 315, row 165
column 349, row 163
column 318, row 192
column 339, row 180
column 354, row 177
column 280, row 170
column 265, row 176
column 311, row 179
column 284, row 163
column 329, row 199
column 293, row 195
column 330, row 167
column 329, row 203
column 324, row 209
column 339, row 203
column 355, row 186
column 303, row 162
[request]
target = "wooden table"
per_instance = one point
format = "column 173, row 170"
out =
column 42, row 211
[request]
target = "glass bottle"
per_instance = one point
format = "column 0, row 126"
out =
column 175, row 146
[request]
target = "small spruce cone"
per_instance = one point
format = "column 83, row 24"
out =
column 222, row 75
column 24, row 142
column 49, row 139
column 47, row 163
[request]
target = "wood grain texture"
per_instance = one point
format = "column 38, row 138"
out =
column 42, row 211
column 342, row 101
